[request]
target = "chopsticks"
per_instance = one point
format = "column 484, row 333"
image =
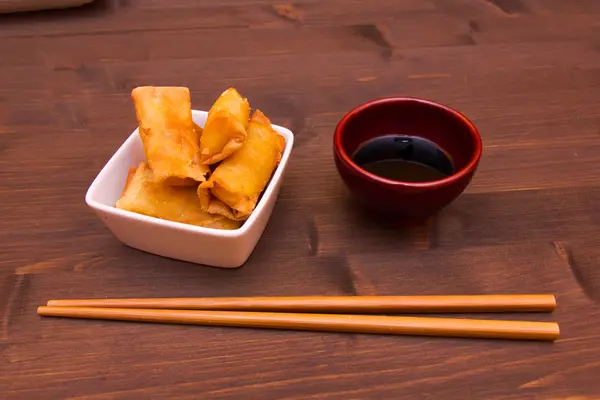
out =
column 258, row 312
column 338, row 304
column 449, row 327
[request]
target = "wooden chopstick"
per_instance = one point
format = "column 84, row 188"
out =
column 337, row 304
column 418, row 326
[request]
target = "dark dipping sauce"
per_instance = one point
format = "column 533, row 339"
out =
column 404, row 158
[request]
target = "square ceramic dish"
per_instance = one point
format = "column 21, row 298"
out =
column 213, row 247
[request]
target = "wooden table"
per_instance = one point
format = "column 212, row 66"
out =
column 527, row 72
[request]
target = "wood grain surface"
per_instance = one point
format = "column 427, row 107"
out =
column 527, row 72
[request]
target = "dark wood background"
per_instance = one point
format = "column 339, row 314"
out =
column 527, row 72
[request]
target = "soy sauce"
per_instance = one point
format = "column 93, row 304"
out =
column 404, row 158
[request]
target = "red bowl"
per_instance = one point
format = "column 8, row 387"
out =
column 440, row 124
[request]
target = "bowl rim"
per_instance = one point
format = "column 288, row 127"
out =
column 233, row 233
column 349, row 163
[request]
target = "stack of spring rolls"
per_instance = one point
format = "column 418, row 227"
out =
column 209, row 177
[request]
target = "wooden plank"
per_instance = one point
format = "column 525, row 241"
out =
column 582, row 256
column 149, row 16
column 385, row 5
column 335, row 357
column 542, row 7
column 535, row 28
column 404, row 31
column 472, row 220
column 538, row 64
column 203, row 43
column 324, row 103
column 535, row 215
column 404, row 22
column 515, row 8
column 510, row 70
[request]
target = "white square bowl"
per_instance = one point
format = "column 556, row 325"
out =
column 213, row 247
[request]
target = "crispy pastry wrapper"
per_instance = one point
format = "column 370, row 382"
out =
column 225, row 128
column 130, row 175
column 210, row 204
column 144, row 195
column 198, row 130
column 169, row 135
column 239, row 180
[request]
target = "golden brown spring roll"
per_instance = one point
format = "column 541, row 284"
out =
column 210, row 204
column 130, row 175
column 144, row 195
column 198, row 130
column 239, row 180
column 225, row 128
column 170, row 139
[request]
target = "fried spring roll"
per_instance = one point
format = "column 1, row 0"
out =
column 130, row 175
column 225, row 128
column 198, row 130
column 169, row 135
column 239, row 180
column 144, row 195
column 212, row 205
